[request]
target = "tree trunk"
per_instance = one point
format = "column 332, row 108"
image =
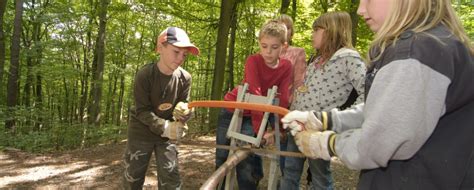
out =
column 123, row 66
column 221, row 53
column 27, row 85
column 230, row 63
column 293, row 10
column 207, row 73
column 111, row 93
column 37, row 60
column 29, row 78
column 13, row 78
column 3, row 5
column 32, row 44
column 86, row 74
column 284, row 6
column 99, row 54
column 324, row 5
column 119, row 116
column 39, row 101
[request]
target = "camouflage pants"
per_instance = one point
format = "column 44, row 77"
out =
column 137, row 157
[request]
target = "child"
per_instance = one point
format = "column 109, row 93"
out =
column 415, row 130
column 297, row 58
column 160, row 113
column 329, row 80
column 296, row 55
column 262, row 71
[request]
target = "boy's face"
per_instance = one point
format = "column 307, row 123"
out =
column 270, row 49
column 317, row 38
column 171, row 56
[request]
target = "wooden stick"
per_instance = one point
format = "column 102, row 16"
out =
column 259, row 151
column 221, row 172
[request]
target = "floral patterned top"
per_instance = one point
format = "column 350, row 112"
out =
column 297, row 57
column 329, row 86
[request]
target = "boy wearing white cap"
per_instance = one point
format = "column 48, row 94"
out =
column 160, row 113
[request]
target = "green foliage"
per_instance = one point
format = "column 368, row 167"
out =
column 49, row 134
column 61, row 137
column 465, row 11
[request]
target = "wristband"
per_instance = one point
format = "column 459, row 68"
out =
column 332, row 145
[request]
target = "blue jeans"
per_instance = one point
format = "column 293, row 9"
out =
column 320, row 172
column 249, row 170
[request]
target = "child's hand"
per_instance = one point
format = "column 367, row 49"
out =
column 182, row 113
column 315, row 144
column 298, row 121
column 268, row 138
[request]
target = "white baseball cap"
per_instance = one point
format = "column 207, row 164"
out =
column 177, row 37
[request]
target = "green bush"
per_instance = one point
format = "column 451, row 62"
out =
column 61, row 137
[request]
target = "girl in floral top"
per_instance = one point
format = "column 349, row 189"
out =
column 330, row 79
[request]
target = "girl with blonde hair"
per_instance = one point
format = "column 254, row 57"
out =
column 415, row 130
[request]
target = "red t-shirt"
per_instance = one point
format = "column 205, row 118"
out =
column 260, row 78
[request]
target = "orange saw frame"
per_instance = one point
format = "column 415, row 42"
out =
column 240, row 105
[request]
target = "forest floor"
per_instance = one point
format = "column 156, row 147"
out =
column 100, row 167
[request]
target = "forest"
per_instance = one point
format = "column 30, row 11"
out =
column 67, row 67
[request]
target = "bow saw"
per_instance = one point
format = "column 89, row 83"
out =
column 245, row 106
column 240, row 105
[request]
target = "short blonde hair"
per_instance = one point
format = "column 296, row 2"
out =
column 275, row 29
column 337, row 34
column 417, row 16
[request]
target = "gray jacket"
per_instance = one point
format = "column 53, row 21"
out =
column 416, row 128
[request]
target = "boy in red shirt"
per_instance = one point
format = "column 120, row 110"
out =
column 262, row 71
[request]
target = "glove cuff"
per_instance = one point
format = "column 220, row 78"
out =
column 325, row 118
column 326, row 145
column 332, row 144
column 159, row 126
column 315, row 122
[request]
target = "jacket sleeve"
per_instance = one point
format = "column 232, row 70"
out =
column 350, row 118
column 355, row 72
column 405, row 102
column 185, row 91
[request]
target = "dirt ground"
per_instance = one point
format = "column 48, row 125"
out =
column 100, row 167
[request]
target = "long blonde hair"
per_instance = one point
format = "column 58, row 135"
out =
column 337, row 34
column 417, row 16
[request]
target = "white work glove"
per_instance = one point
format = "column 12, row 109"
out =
column 158, row 126
column 301, row 120
column 182, row 113
column 174, row 130
column 316, row 144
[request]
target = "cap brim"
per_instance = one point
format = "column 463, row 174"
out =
column 191, row 47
